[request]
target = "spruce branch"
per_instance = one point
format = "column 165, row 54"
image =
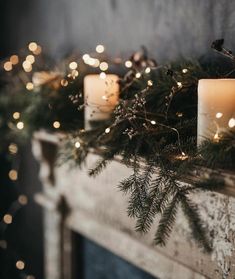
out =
column 197, row 227
column 167, row 221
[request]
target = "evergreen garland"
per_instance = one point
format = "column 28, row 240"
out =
column 153, row 130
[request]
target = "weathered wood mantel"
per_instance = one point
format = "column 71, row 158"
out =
column 95, row 208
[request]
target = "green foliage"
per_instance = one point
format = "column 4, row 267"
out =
column 153, row 128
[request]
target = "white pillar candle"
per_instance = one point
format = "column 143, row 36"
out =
column 216, row 108
column 101, row 93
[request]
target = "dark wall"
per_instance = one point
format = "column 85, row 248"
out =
column 170, row 29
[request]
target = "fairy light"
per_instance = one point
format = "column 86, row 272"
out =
column 13, row 148
column 77, row 144
column 74, row 74
column 147, row 70
column 22, row 199
column 138, row 75
column 29, row 86
column 219, row 115
column 7, row 66
column 96, row 63
column 102, row 75
column 216, row 137
column 128, row 64
column 73, row 65
column 20, row 265
column 64, row 82
column 30, row 58
column 16, row 115
column 231, row 123
column 153, row 122
column 100, row 48
column 20, row 125
column 179, row 84
column 179, row 114
column 85, row 57
column 7, row 219
column 13, row 175
column 32, row 46
column 27, row 66
column 150, row 83
column 38, row 50
column 107, row 130
column 56, row 124
column 104, row 66
column 184, row 71
column 14, row 59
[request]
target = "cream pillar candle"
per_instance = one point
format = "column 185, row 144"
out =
column 101, row 93
column 216, row 108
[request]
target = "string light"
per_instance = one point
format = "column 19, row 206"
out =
column 179, row 84
column 128, row 64
column 7, row 66
column 77, row 144
column 179, row 114
column 22, row 199
column 96, row 63
column 32, row 46
column 153, row 122
column 14, row 59
column 16, row 115
column 29, row 86
column 20, row 265
column 56, row 124
column 13, row 149
column 27, row 66
column 85, row 57
column 102, row 75
column 75, row 73
column 184, row 71
column 7, row 219
column 73, row 65
column 138, row 75
column 30, row 58
column 216, row 137
column 219, row 115
column 99, row 48
column 150, row 83
column 64, row 82
column 13, row 175
column 20, row 125
column 231, row 123
column 147, row 70
column 107, row 130
column 38, row 50
column 104, row 66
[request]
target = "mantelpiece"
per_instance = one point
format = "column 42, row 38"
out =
column 73, row 201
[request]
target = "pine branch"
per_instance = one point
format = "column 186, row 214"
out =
column 167, row 221
column 198, row 231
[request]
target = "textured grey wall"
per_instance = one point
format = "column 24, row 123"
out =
column 170, row 29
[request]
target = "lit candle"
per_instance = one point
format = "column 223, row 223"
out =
column 101, row 93
column 216, row 108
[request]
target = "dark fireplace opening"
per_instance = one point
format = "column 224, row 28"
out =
column 91, row 261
